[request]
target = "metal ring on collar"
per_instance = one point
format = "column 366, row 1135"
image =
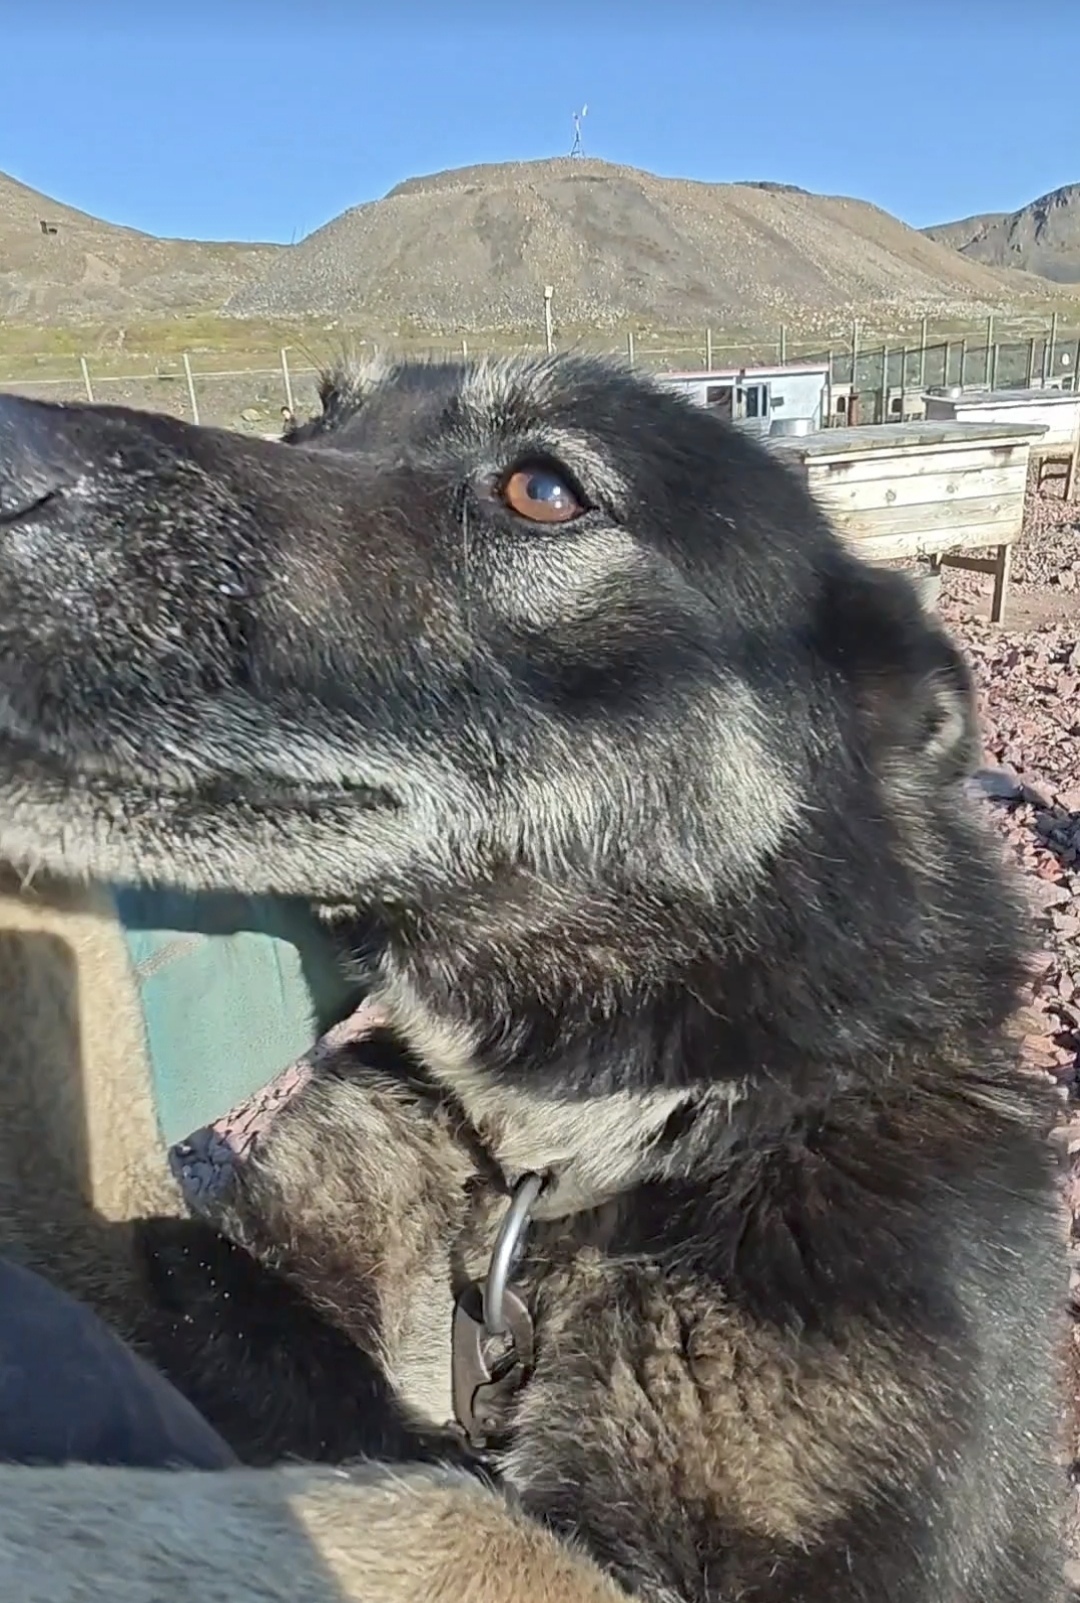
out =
column 504, row 1253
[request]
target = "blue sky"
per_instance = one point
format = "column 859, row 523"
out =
column 261, row 119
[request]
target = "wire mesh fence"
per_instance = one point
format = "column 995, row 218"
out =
column 886, row 376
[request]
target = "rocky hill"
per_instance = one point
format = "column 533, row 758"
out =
column 1043, row 237
column 61, row 265
column 472, row 248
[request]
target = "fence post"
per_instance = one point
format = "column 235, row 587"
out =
column 464, row 350
column 853, row 376
column 994, row 367
column 884, row 411
column 708, row 350
column 630, row 346
column 922, row 355
column 1048, row 350
column 947, row 365
column 1031, row 362
column 287, row 377
column 989, row 344
column 549, row 331
column 191, row 388
column 87, row 386
column 783, row 344
column 963, row 363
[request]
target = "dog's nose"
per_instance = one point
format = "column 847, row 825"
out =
column 32, row 457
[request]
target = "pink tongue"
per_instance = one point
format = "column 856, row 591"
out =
column 205, row 1162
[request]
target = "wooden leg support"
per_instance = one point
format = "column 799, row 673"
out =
column 998, row 567
column 1002, row 567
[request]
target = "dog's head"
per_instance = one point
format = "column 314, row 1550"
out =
column 565, row 683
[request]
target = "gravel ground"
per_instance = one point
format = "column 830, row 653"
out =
column 1028, row 676
column 1048, row 554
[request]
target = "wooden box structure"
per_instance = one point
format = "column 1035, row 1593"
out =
column 943, row 490
column 1057, row 410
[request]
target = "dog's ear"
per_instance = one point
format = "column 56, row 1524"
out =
column 945, row 725
column 922, row 716
column 913, row 685
column 944, row 714
column 342, row 389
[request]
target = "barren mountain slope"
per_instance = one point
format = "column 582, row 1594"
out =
column 1043, row 237
column 89, row 270
column 473, row 248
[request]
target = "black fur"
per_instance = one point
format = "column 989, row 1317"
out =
column 667, row 799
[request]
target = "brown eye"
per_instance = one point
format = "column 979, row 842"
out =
column 541, row 496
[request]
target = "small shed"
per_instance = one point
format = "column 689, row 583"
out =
column 754, row 397
column 943, row 490
column 1058, row 411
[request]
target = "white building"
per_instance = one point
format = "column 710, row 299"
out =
column 758, row 397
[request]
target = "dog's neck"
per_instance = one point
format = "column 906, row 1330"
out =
column 590, row 1148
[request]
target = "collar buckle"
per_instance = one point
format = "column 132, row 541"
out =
column 492, row 1343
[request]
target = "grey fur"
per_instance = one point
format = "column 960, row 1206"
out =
column 636, row 828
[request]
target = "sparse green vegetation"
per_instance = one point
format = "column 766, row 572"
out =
column 149, row 349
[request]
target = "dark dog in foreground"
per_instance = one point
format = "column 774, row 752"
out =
column 640, row 802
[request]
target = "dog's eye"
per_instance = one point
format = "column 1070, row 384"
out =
column 540, row 495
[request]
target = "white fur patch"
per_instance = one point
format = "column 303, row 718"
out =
column 595, row 1146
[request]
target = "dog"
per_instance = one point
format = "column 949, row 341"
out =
column 638, row 801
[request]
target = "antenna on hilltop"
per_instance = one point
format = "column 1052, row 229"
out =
column 577, row 148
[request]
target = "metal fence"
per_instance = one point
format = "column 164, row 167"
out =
column 199, row 385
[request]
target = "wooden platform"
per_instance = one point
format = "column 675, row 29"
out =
column 943, row 490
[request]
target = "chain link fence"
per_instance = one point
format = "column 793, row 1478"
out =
column 872, row 379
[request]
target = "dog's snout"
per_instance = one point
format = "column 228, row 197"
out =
column 33, row 469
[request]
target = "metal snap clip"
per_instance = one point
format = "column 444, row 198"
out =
column 492, row 1337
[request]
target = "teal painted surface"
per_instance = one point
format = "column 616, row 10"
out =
column 233, row 990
